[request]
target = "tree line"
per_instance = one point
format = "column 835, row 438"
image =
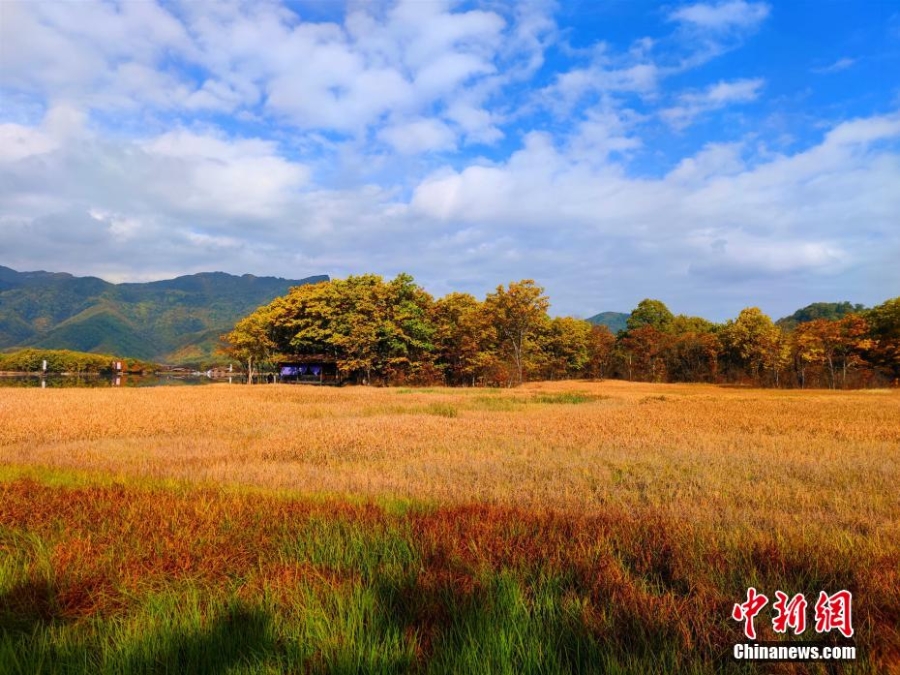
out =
column 31, row 360
column 394, row 332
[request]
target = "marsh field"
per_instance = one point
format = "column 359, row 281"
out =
column 558, row 527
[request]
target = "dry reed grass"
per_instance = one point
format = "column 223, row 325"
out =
column 637, row 513
column 714, row 455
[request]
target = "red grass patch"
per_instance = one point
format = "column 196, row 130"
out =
column 627, row 573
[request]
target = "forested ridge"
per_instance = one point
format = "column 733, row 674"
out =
column 394, row 332
column 174, row 320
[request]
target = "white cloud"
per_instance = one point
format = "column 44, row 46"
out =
column 448, row 72
column 419, row 135
column 708, row 30
column 18, row 142
column 836, row 67
column 243, row 136
column 605, row 130
column 723, row 16
column 724, row 93
column 121, row 227
column 179, row 172
column 72, row 50
column 599, row 79
column 864, row 131
column 206, row 174
column 62, row 122
column 692, row 104
column 743, row 257
column 533, row 30
column 346, row 77
column 476, row 123
column 776, row 219
column 332, row 76
column 324, row 84
column 200, row 201
column 714, row 160
column 214, row 95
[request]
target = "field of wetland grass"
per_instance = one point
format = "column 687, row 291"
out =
column 554, row 528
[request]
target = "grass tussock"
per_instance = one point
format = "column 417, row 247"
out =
column 284, row 529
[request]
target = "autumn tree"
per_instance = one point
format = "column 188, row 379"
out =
column 369, row 326
column 808, row 351
column 393, row 331
column 356, row 313
column 600, row 345
column 693, row 352
column 854, row 343
column 379, row 328
column 463, row 336
column 837, row 346
column 302, row 319
column 565, row 347
column 644, row 350
column 251, row 341
column 517, row 312
column 884, row 322
column 641, row 349
column 755, row 343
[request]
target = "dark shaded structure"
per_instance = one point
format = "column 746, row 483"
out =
column 309, row 369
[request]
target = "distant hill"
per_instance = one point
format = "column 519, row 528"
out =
column 820, row 310
column 615, row 321
column 172, row 321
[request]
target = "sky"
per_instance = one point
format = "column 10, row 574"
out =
column 714, row 156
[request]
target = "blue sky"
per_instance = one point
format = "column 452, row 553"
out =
column 712, row 155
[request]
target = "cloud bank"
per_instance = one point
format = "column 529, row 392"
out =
column 467, row 145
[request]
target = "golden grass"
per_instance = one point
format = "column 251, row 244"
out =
column 716, row 455
column 653, row 505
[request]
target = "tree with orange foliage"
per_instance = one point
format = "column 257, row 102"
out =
column 808, row 350
column 645, row 349
column 600, row 346
column 463, row 335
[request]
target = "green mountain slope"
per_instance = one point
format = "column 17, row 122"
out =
column 820, row 310
column 176, row 320
column 615, row 321
column 101, row 330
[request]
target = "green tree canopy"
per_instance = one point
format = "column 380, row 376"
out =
column 650, row 313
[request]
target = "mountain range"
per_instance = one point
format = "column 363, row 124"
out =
column 171, row 321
